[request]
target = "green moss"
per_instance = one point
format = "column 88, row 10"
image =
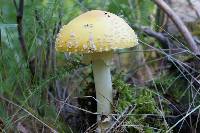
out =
column 125, row 94
column 143, row 100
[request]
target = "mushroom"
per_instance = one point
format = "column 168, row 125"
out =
column 96, row 34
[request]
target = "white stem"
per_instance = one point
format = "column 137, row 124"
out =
column 103, row 85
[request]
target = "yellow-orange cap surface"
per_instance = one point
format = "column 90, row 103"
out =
column 95, row 31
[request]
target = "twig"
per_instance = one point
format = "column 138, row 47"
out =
column 194, row 8
column 121, row 118
column 183, row 118
column 179, row 24
column 29, row 113
column 91, row 128
column 75, row 107
column 20, row 11
column 159, row 36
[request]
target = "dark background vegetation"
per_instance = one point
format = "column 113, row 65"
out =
column 156, row 85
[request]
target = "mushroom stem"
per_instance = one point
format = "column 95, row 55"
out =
column 103, row 85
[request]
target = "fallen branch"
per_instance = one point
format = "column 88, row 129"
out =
column 179, row 24
column 158, row 36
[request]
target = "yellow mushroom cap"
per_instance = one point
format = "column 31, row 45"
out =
column 95, row 31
